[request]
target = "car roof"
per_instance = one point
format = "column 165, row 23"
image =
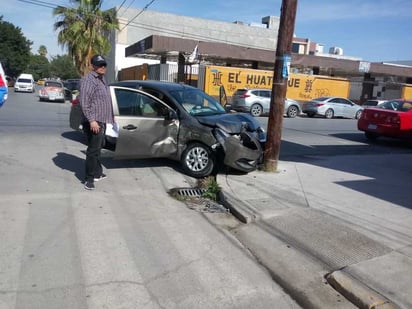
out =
column 251, row 89
column 154, row 84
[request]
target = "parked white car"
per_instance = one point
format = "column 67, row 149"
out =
column 330, row 107
column 257, row 102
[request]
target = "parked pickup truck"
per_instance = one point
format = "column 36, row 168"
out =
column 391, row 119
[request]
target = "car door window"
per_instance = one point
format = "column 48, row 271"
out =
column 265, row 94
column 131, row 103
column 346, row 102
column 335, row 100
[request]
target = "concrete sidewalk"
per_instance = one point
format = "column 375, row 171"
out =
column 347, row 219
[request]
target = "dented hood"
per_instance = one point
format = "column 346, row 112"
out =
column 231, row 123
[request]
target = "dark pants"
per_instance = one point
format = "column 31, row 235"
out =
column 95, row 143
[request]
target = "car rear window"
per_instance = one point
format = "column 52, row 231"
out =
column 24, row 80
column 321, row 99
column 52, row 84
column 240, row 92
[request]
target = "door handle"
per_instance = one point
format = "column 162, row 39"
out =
column 130, row 127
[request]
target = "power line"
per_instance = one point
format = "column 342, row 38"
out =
column 144, row 9
column 40, row 3
column 143, row 26
column 126, row 8
column 190, row 36
column 120, row 6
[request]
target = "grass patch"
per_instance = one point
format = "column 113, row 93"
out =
column 211, row 186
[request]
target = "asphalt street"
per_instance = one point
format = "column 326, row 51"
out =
column 324, row 231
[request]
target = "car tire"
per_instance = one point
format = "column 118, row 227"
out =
column 292, row 111
column 198, row 160
column 256, row 110
column 358, row 114
column 329, row 113
column 371, row 136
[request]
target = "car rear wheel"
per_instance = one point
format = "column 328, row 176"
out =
column 256, row 110
column 358, row 114
column 292, row 111
column 198, row 160
column 329, row 113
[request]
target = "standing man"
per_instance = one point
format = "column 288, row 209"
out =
column 96, row 104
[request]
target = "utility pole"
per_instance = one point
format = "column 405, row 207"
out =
column 280, row 80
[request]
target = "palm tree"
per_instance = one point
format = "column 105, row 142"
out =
column 85, row 31
column 42, row 50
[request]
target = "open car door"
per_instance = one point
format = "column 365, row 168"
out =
column 222, row 96
column 147, row 127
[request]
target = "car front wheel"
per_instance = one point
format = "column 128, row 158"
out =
column 358, row 114
column 256, row 110
column 198, row 160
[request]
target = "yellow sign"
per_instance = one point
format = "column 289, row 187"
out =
column 407, row 92
column 300, row 87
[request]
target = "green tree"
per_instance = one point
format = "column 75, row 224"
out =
column 39, row 66
column 85, row 31
column 63, row 67
column 14, row 49
column 42, row 50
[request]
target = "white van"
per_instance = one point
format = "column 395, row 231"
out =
column 24, row 83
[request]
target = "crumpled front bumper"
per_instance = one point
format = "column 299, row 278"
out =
column 243, row 152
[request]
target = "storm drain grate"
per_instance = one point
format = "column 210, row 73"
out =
column 189, row 192
column 194, row 199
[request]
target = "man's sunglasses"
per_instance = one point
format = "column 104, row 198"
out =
column 102, row 65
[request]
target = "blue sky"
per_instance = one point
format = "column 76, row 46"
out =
column 374, row 30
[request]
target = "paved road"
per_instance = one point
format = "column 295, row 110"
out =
column 127, row 244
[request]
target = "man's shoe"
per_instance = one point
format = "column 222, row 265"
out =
column 102, row 176
column 89, row 185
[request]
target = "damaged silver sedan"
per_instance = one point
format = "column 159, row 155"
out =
column 168, row 120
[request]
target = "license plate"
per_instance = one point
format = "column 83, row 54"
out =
column 372, row 127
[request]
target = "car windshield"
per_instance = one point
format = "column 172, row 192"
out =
column 52, row 84
column 24, row 80
column 197, row 103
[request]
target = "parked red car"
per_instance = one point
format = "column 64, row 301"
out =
column 391, row 119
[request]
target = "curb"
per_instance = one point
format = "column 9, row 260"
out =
column 358, row 293
column 229, row 201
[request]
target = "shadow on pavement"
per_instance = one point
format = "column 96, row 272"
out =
column 75, row 136
column 70, row 163
column 384, row 162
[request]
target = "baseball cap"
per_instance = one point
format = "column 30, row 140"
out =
column 98, row 60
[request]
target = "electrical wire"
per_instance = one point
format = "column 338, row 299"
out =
column 144, row 9
column 126, row 9
column 131, row 23
column 40, row 3
column 191, row 36
column 120, row 6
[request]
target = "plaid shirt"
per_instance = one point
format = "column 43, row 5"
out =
column 95, row 98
